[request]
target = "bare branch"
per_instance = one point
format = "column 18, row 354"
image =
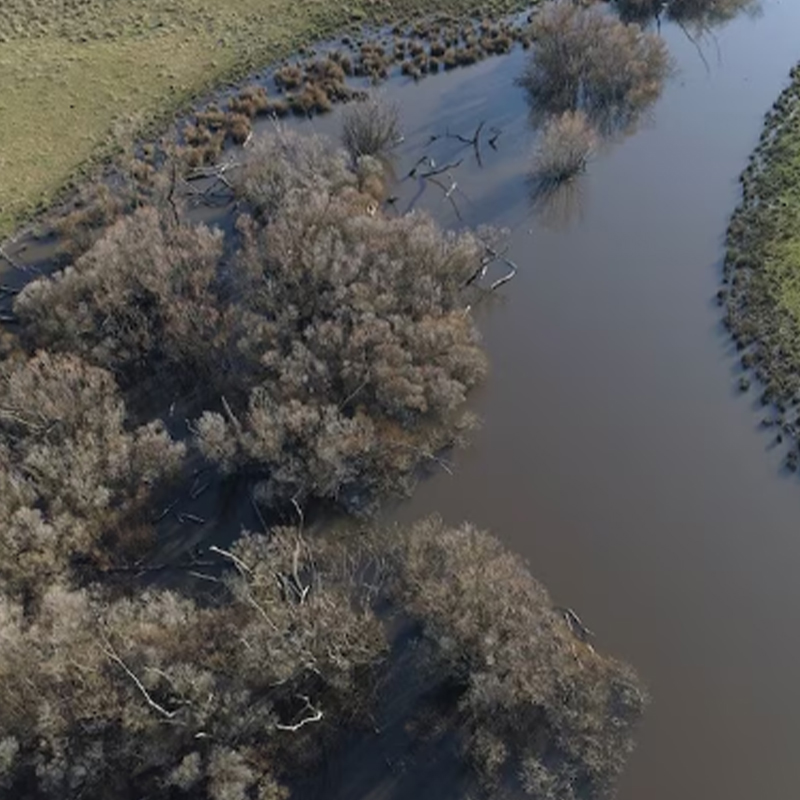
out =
column 315, row 716
column 440, row 170
column 112, row 654
column 238, row 563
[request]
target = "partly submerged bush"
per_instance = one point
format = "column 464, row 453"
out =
column 139, row 300
column 564, row 147
column 158, row 696
column 586, row 59
column 370, row 127
column 285, row 163
column 161, row 696
column 364, row 348
column 700, row 15
column 70, row 468
column 531, row 696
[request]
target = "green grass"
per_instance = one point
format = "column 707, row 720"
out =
column 763, row 261
column 80, row 78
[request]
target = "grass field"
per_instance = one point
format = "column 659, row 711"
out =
column 79, row 78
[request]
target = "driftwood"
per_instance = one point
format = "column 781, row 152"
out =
column 184, row 517
column 165, row 511
column 575, row 624
column 475, row 141
column 114, row 656
column 314, row 716
column 493, row 255
column 439, row 170
column 420, row 161
column 448, row 195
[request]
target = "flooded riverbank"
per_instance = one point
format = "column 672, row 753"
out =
column 616, row 454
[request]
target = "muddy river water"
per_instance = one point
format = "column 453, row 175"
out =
column 616, row 453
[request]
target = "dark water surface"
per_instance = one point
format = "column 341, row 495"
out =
column 615, row 454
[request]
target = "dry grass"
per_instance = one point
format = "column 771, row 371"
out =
column 80, row 78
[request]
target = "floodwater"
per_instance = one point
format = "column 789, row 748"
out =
column 615, row 453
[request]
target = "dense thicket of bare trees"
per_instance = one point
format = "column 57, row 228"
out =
column 71, row 472
column 366, row 351
column 157, row 696
column 333, row 348
column 334, row 351
column 139, row 301
column 163, row 697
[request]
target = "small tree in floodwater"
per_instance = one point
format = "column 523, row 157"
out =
column 699, row 15
column 158, row 696
column 356, row 346
column 531, row 698
column 370, row 127
column 565, row 144
column 140, row 301
column 585, row 59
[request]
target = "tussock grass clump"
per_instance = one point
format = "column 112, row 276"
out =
column 370, row 127
column 251, row 101
column 565, row 145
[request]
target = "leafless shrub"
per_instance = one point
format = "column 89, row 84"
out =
column 564, row 147
column 366, row 354
column 70, row 469
column 141, row 298
column 532, row 695
column 586, row 59
column 699, row 15
column 285, row 163
column 155, row 696
column 370, row 127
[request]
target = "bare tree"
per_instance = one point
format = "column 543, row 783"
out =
column 529, row 694
column 586, row 59
column 70, row 468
